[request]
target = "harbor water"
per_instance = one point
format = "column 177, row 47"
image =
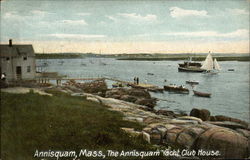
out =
column 229, row 89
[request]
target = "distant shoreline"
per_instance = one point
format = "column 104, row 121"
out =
column 145, row 57
column 247, row 58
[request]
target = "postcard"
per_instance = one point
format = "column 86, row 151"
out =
column 124, row 79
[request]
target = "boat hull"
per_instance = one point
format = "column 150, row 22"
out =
column 192, row 82
column 201, row 94
column 176, row 89
column 183, row 69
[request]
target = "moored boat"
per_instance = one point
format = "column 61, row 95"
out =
column 192, row 82
column 175, row 88
column 190, row 69
column 202, row 94
column 210, row 65
column 189, row 66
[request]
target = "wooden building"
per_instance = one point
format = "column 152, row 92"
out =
column 17, row 61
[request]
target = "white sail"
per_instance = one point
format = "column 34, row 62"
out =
column 208, row 63
column 216, row 65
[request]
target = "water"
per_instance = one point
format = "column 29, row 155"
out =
column 230, row 89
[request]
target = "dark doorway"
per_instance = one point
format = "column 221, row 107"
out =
column 19, row 72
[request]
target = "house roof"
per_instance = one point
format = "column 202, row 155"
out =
column 16, row 50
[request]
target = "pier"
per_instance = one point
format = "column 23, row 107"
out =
column 59, row 79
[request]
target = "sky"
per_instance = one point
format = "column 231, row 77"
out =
column 127, row 26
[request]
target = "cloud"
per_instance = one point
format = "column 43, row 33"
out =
column 76, row 36
column 138, row 17
column 73, row 22
column 238, row 11
column 238, row 33
column 39, row 13
column 177, row 12
column 83, row 14
column 12, row 15
column 112, row 18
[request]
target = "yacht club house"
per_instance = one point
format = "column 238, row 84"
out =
column 17, row 61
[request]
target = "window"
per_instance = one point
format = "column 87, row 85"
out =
column 24, row 58
column 7, row 58
column 28, row 68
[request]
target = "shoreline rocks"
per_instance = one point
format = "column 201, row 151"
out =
column 183, row 132
column 133, row 95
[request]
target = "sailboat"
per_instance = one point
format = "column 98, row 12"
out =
column 210, row 65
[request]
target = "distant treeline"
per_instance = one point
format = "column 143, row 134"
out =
column 233, row 58
column 144, row 57
column 58, row 56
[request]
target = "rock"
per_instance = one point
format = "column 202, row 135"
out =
column 190, row 118
column 146, row 136
column 228, row 124
column 225, row 118
column 155, row 136
column 171, row 135
column 230, row 143
column 97, row 87
column 134, row 119
column 146, row 102
column 117, row 92
column 189, row 134
column 166, row 113
column 150, row 120
column 93, row 99
column 177, row 121
column 244, row 132
column 138, row 93
column 203, row 114
column 131, row 132
column 128, row 98
column 134, row 95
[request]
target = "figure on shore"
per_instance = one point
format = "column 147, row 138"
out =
column 3, row 77
column 137, row 80
column 134, row 80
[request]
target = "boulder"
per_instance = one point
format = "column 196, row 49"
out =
column 171, row 135
column 225, row 118
column 96, row 87
column 166, row 113
column 146, row 136
column 146, row 102
column 230, row 143
column 155, row 136
column 228, row 124
column 203, row 114
column 187, row 136
column 131, row 132
column 138, row 93
column 128, row 98
column 244, row 132
column 134, row 95
column 190, row 118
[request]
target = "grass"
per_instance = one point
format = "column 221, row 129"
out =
column 61, row 122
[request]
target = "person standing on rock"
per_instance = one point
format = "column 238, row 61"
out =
column 134, row 80
column 137, row 80
column 3, row 77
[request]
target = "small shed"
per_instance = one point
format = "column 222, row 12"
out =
column 17, row 61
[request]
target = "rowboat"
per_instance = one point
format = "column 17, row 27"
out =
column 201, row 94
column 192, row 82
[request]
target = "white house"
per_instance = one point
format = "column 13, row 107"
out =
column 17, row 61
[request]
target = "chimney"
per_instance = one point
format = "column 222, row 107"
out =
column 10, row 42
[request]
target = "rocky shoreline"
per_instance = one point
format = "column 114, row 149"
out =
column 196, row 131
column 199, row 131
